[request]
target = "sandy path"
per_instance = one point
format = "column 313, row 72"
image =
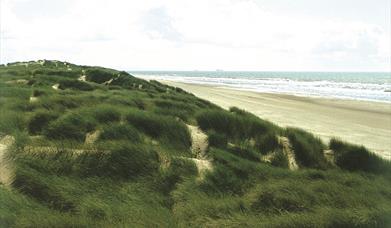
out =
column 82, row 78
column 92, row 137
column 199, row 141
column 199, row 145
column 359, row 122
column 33, row 99
column 288, row 151
column 6, row 174
column 56, row 86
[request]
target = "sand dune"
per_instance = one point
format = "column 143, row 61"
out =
column 359, row 122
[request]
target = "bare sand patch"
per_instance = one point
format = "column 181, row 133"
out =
column 92, row 137
column 56, row 86
column 6, row 172
column 199, row 145
column 289, row 153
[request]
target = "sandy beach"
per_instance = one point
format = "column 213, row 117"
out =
column 359, row 122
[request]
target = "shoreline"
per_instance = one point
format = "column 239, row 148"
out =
column 359, row 122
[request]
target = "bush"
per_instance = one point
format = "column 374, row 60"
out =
column 308, row 149
column 124, row 161
column 119, row 131
column 52, row 72
column 255, row 125
column 175, row 105
column 105, row 114
column 358, row 158
column 127, row 81
column 59, row 102
column 267, row 143
column 217, row 120
column 178, row 170
column 40, row 120
column 31, row 183
column 170, row 131
column 231, row 174
column 11, row 121
column 69, row 126
column 182, row 114
column 279, row 200
column 245, row 152
column 237, row 127
column 37, row 93
column 181, row 109
column 75, row 84
column 223, row 180
column 98, row 75
column 217, row 140
column 280, row 159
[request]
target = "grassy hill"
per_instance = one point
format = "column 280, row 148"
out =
column 88, row 146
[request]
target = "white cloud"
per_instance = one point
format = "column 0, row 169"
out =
column 178, row 34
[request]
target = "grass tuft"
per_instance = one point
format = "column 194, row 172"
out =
column 120, row 131
column 170, row 131
column 358, row 158
column 308, row 149
column 40, row 121
column 69, row 126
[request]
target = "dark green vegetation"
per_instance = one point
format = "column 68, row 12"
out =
column 138, row 171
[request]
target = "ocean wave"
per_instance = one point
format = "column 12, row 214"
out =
column 319, row 88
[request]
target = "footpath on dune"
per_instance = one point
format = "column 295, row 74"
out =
column 6, row 173
column 289, row 153
column 199, row 145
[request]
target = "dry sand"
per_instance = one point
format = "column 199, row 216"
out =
column 359, row 122
column 199, row 145
column 6, row 172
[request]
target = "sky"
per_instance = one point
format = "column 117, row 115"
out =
column 253, row 35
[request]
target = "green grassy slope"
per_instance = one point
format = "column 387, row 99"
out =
column 137, row 171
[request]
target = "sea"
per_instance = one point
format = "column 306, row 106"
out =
column 368, row 86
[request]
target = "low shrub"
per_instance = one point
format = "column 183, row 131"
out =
column 124, row 161
column 217, row 120
column 178, row 170
column 170, row 131
column 223, row 180
column 120, row 131
column 69, row 126
column 31, row 183
column 358, row 158
column 11, row 121
column 231, row 174
column 175, row 105
column 308, row 149
column 255, row 125
column 105, row 114
column 40, row 120
column 99, row 75
column 37, row 93
column 217, row 140
column 53, row 72
column 59, row 102
column 280, row 200
column 267, row 143
column 245, row 152
column 280, row 159
column 75, row 84
column 181, row 114
column 237, row 126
